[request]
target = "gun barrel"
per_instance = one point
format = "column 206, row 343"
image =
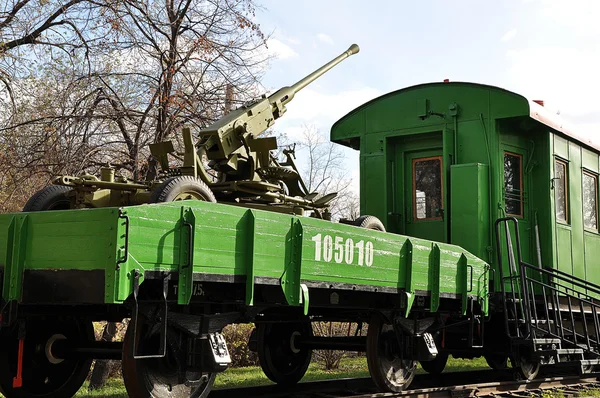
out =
column 353, row 49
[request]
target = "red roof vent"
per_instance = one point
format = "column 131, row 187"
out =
column 539, row 102
column 446, row 80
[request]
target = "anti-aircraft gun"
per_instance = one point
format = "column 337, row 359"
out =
column 230, row 163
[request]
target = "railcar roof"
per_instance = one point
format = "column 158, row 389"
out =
column 550, row 119
column 536, row 112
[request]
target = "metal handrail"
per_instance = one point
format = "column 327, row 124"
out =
column 551, row 285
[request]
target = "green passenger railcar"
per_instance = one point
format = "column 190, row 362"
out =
column 444, row 161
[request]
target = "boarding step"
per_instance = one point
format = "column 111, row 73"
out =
column 542, row 322
column 533, row 321
column 560, row 352
column 562, row 356
column 513, row 300
column 546, row 341
column 589, row 365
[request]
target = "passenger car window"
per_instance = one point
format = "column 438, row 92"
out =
column 513, row 184
column 427, row 188
column 590, row 201
column 560, row 190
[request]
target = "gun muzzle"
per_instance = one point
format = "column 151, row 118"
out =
column 353, row 49
column 287, row 93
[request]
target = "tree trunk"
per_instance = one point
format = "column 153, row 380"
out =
column 102, row 367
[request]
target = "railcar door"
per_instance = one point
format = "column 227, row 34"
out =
column 424, row 195
column 515, row 193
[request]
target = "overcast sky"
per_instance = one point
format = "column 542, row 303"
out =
column 543, row 49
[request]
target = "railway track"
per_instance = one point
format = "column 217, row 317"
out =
column 454, row 385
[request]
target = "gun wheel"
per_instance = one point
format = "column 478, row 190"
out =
column 160, row 377
column 43, row 374
column 389, row 371
column 280, row 359
column 182, row 188
column 369, row 222
column 53, row 197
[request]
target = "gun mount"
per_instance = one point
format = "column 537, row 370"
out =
column 229, row 161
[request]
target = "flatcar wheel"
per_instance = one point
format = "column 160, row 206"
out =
column 497, row 362
column 159, row 377
column 389, row 371
column 436, row 365
column 526, row 369
column 280, row 359
column 44, row 375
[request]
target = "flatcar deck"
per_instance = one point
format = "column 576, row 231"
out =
column 90, row 256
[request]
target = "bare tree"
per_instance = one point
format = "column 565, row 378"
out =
column 92, row 83
column 88, row 83
column 34, row 31
column 330, row 359
column 323, row 166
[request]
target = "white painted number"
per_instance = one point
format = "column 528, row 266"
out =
column 335, row 248
column 349, row 251
column 327, row 249
column 339, row 249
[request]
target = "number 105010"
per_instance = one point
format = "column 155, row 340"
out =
column 334, row 248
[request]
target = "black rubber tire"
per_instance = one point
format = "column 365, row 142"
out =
column 174, row 187
column 156, row 377
column 435, row 366
column 53, row 197
column 384, row 368
column 369, row 222
column 41, row 377
column 280, row 361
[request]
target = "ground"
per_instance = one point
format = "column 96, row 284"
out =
column 253, row 376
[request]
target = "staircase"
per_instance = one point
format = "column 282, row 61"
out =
column 552, row 313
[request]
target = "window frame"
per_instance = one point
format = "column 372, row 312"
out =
column 521, row 193
column 595, row 177
column 565, row 163
column 414, row 187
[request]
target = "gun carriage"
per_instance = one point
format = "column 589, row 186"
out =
column 230, row 163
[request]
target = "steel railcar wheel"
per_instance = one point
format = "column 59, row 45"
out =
column 44, row 375
column 497, row 362
column 160, row 377
column 526, row 369
column 389, row 371
column 435, row 366
column 281, row 360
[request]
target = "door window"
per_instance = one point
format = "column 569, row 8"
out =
column 427, row 188
column 561, row 190
column 513, row 184
column 590, row 202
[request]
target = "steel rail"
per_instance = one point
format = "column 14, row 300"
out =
column 427, row 386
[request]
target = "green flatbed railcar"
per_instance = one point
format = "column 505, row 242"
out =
column 201, row 265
